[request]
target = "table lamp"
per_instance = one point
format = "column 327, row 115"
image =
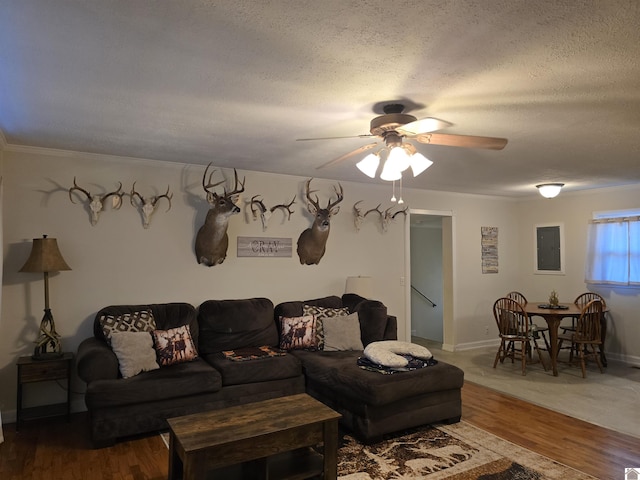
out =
column 362, row 286
column 45, row 257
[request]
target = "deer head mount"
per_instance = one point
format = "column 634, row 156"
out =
column 212, row 240
column 385, row 217
column 147, row 205
column 96, row 202
column 258, row 208
column 312, row 242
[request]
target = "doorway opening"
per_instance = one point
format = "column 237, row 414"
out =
column 429, row 292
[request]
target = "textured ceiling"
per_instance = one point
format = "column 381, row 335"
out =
column 236, row 82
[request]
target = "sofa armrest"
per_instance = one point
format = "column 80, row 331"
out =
column 96, row 361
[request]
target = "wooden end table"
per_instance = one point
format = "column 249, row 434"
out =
column 254, row 435
column 32, row 371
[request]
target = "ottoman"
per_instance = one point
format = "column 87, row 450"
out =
column 373, row 404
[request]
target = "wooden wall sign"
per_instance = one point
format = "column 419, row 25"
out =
column 264, row 247
column 489, row 249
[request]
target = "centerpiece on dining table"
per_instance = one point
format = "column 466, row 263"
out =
column 554, row 303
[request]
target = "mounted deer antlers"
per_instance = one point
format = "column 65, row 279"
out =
column 312, row 242
column 96, row 202
column 212, row 239
column 265, row 215
column 148, row 205
column 385, row 217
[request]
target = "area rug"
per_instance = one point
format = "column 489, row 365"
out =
column 459, row 452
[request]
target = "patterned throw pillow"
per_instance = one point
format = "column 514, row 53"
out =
column 141, row 321
column 174, row 345
column 298, row 333
column 320, row 313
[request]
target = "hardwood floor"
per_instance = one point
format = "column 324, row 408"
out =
column 56, row 450
column 597, row 451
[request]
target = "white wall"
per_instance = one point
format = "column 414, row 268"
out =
column 574, row 210
column 119, row 262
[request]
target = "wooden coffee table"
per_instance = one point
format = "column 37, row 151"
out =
column 255, row 435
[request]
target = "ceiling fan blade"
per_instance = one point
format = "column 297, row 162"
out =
column 347, row 155
column 465, row 141
column 365, row 135
column 424, row 125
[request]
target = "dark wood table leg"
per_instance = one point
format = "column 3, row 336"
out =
column 553, row 322
column 603, row 337
column 256, row 469
column 175, row 464
column 330, row 450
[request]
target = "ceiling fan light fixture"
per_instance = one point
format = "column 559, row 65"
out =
column 549, row 190
column 419, row 163
column 369, row 165
column 398, row 158
column 390, row 172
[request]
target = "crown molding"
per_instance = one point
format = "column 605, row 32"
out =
column 55, row 152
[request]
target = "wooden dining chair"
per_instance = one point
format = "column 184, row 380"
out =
column 581, row 300
column 514, row 328
column 540, row 329
column 586, row 335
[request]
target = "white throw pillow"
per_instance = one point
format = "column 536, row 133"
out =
column 385, row 352
column 135, row 352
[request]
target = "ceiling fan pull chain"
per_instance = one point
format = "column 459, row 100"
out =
column 400, row 200
column 393, row 196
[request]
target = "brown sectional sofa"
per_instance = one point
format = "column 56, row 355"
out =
column 371, row 404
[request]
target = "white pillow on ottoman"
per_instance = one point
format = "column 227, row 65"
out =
column 385, row 352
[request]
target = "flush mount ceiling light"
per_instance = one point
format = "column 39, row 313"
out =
column 549, row 190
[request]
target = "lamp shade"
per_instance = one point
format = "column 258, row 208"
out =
column 369, row 165
column 390, row 172
column 362, row 286
column 549, row 190
column 45, row 257
column 419, row 163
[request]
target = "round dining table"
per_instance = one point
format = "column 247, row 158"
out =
column 553, row 315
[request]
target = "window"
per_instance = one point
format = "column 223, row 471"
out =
column 549, row 248
column 613, row 248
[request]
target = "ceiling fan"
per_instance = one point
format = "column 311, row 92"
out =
column 394, row 126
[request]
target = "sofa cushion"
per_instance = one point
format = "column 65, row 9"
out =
column 254, row 371
column 295, row 308
column 231, row 324
column 165, row 315
column 321, row 312
column 375, row 323
column 139, row 321
column 174, row 345
column 179, row 380
column 341, row 333
column 135, row 352
column 298, row 333
column 338, row 373
column 373, row 320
